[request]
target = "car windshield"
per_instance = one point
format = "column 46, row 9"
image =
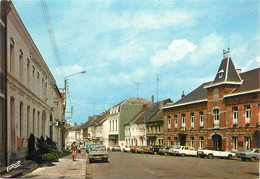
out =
column 178, row 147
column 98, row 148
column 248, row 150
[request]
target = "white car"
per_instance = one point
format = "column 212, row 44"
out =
column 171, row 150
column 127, row 149
column 185, row 151
column 211, row 152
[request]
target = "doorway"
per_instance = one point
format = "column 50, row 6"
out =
column 182, row 139
column 217, row 141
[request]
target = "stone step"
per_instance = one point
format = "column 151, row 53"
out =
column 29, row 168
column 26, row 163
column 12, row 174
column 2, row 170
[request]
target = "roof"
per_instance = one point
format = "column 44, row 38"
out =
column 99, row 119
column 197, row 95
column 251, row 83
column 147, row 113
column 227, row 74
column 136, row 101
column 157, row 117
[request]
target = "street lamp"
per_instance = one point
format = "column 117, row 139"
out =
column 65, row 81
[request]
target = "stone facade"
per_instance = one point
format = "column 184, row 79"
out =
column 34, row 99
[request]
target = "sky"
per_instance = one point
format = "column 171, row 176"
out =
column 169, row 45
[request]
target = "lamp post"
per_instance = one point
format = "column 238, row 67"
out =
column 65, row 83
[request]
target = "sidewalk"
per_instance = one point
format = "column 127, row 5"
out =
column 65, row 168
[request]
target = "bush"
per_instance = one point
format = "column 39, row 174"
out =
column 47, row 150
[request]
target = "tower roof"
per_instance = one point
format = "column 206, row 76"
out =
column 227, row 74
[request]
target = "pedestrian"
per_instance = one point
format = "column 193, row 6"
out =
column 74, row 150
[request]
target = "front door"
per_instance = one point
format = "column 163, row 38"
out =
column 182, row 139
column 217, row 141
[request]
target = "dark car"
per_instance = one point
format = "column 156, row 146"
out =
column 154, row 149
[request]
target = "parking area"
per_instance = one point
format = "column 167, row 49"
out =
column 133, row 165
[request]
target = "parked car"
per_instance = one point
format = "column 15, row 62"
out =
column 171, row 150
column 184, row 151
column 89, row 146
column 146, row 149
column 133, row 149
column 164, row 150
column 139, row 149
column 154, row 149
column 98, row 152
column 249, row 154
column 127, row 149
column 116, row 148
column 211, row 152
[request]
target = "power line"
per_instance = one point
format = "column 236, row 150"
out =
column 50, row 31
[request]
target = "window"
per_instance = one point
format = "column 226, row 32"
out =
column 21, row 118
column 28, row 73
column 201, row 119
column 159, row 126
column 248, row 114
column 151, row 129
column 216, row 117
column 201, row 142
column 12, row 57
column 248, row 142
column 28, row 121
column 176, row 140
column 192, row 142
column 183, row 121
column 235, row 115
column 109, row 125
column 215, row 93
column 113, row 125
column 176, row 121
column 21, row 65
column 169, row 121
column 192, row 119
column 116, row 125
column 235, row 143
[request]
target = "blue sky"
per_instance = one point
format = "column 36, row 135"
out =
column 121, row 42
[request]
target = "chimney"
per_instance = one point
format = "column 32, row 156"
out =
column 152, row 98
column 239, row 70
column 183, row 95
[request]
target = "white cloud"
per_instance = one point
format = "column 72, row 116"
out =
column 70, row 69
column 175, row 52
column 257, row 59
column 209, row 45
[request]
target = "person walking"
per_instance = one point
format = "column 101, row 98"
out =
column 74, row 150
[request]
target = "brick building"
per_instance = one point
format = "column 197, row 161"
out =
column 223, row 113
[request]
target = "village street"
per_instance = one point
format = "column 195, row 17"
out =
column 128, row 165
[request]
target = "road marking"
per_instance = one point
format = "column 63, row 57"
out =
column 149, row 171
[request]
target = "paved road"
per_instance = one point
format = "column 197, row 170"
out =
column 122, row 165
column 65, row 168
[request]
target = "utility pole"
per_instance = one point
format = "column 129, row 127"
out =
column 137, row 85
column 157, row 79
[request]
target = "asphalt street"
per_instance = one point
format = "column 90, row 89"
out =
column 128, row 165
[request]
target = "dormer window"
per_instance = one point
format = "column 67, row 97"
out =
column 221, row 73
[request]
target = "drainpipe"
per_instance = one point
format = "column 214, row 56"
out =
column 7, row 9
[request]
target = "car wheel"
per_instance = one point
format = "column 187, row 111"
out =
column 210, row 156
column 155, row 153
column 106, row 160
column 230, row 157
column 182, row 155
column 252, row 159
column 165, row 153
column 243, row 159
